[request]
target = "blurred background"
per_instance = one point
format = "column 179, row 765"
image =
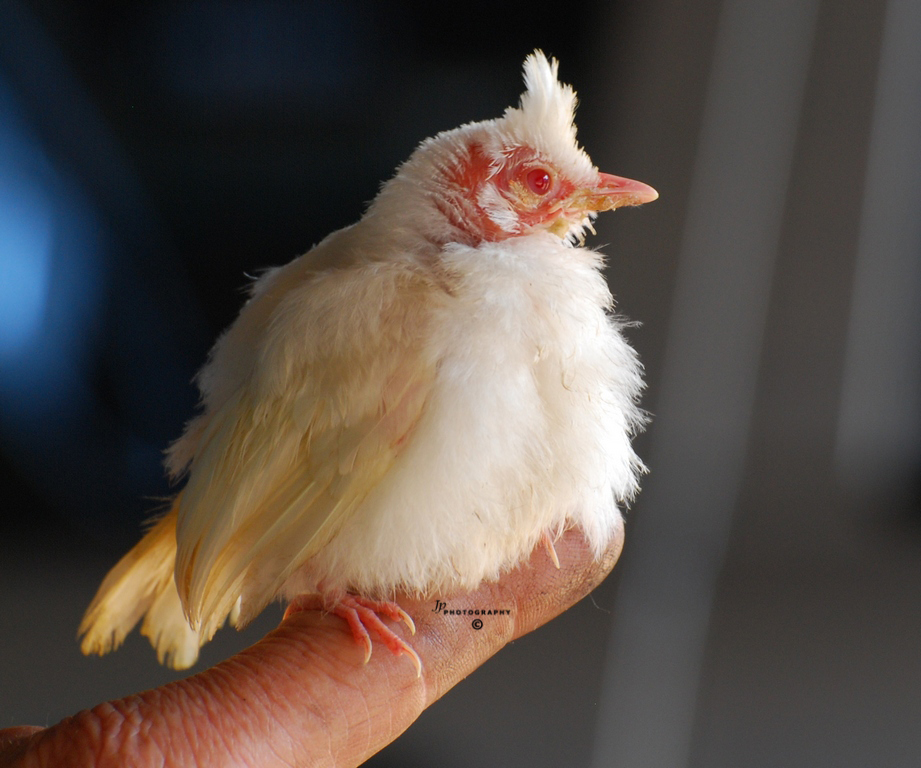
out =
column 767, row 609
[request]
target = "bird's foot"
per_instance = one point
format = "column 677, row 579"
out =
column 363, row 617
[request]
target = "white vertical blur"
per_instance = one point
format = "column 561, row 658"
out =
column 879, row 428
column 702, row 417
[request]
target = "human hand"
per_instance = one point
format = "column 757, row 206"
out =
column 301, row 696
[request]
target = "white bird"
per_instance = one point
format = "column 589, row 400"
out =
column 408, row 408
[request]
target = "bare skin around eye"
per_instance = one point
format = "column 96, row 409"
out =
column 302, row 696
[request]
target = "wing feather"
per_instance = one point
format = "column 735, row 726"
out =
column 286, row 458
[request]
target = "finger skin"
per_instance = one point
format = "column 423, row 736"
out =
column 301, row 696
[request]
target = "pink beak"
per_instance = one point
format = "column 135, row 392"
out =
column 615, row 192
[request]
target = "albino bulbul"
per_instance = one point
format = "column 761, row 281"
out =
column 410, row 407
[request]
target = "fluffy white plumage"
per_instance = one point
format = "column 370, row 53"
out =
column 411, row 405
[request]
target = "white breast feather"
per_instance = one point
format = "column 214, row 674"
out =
column 526, row 429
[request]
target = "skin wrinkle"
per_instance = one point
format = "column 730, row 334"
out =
column 144, row 730
column 267, row 747
column 365, row 721
column 172, row 743
column 101, row 733
column 183, row 705
column 116, row 729
column 341, row 712
column 339, row 667
column 398, row 681
column 332, row 672
column 183, row 711
column 287, row 683
column 278, row 727
column 217, row 688
column 364, row 731
column 256, row 711
column 306, row 699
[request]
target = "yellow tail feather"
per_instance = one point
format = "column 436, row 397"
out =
column 142, row 583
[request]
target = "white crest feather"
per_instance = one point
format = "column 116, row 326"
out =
column 545, row 117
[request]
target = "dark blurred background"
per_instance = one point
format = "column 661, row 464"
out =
column 767, row 610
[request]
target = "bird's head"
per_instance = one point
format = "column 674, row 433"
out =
column 521, row 173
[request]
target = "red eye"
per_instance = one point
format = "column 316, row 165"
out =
column 539, row 181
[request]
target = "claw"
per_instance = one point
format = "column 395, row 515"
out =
column 361, row 615
column 548, row 545
column 390, row 610
column 407, row 620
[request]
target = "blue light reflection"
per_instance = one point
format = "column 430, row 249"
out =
column 25, row 261
column 50, row 278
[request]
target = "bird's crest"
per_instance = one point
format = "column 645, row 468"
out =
column 544, row 117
